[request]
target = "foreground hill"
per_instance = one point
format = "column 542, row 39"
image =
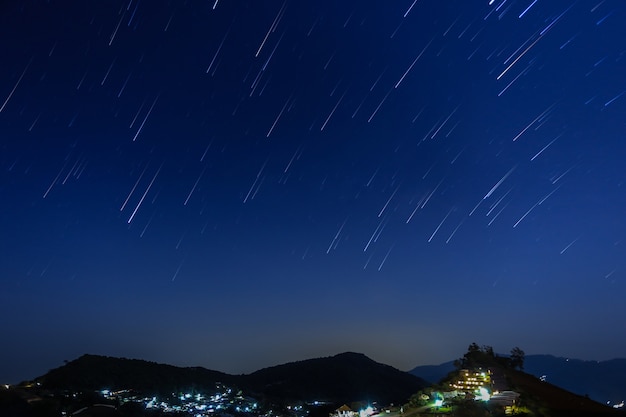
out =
column 602, row 381
column 340, row 378
column 534, row 396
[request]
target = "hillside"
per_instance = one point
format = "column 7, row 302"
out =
column 602, row 381
column 550, row 400
column 344, row 377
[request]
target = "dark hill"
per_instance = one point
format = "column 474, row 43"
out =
column 92, row 372
column 340, row 378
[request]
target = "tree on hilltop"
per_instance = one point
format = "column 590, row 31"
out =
column 517, row 358
column 476, row 356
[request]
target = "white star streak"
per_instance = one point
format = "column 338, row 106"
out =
column 336, row 237
column 272, row 28
column 178, row 270
column 116, row 29
column 108, row 72
column 476, row 206
column 415, row 209
column 219, row 48
column 379, row 105
column 546, row 197
column 568, row 246
column 409, row 10
column 546, row 111
column 513, row 81
column 495, row 187
column 605, row 104
column 145, row 118
column 525, row 214
column 454, row 231
column 130, row 219
column 277, row 118
column 267, row 61
column 545, row 147
column 374, row 237
column 15, row 86
column 527, row 9
column 430, row 195
column 440, row 224
column 385, row 258
column 518, row 57
column 255, row 181
column 55, row 180
column 413, row 64
column 133, row 189
column 388, row 201
column 119, row 94
column 547, row 28
column 194, row 186
column 444, row 122
column 498, row 213
column 492, row 208
column 333, row 111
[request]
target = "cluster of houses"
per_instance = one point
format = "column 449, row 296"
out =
column 478, row 384
column 485, row 386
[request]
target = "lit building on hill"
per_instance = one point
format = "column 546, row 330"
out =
column 472, row 380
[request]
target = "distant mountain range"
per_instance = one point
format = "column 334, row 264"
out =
column 602, row 381
column 341, row 378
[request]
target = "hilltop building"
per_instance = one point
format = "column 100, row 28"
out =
column 472, row 380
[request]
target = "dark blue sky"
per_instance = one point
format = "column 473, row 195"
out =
column 237, row 184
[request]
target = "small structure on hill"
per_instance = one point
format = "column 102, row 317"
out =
column 504, row 398
column 344, row 411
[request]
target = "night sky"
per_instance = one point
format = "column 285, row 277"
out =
column 237, row 184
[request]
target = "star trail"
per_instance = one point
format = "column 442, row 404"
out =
column 237, row 184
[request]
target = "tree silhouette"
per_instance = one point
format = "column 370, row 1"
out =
column 517, row 358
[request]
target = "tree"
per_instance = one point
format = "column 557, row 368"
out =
column 473, row 347
column 517, row 358
column 488, row 350
column 476, row 356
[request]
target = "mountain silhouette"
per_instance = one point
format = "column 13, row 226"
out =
column 340, row 378
column 345, row 377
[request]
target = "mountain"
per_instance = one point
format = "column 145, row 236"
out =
column 602, row 381
column 93, row 372
column 433, row 373
column 340, row 378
